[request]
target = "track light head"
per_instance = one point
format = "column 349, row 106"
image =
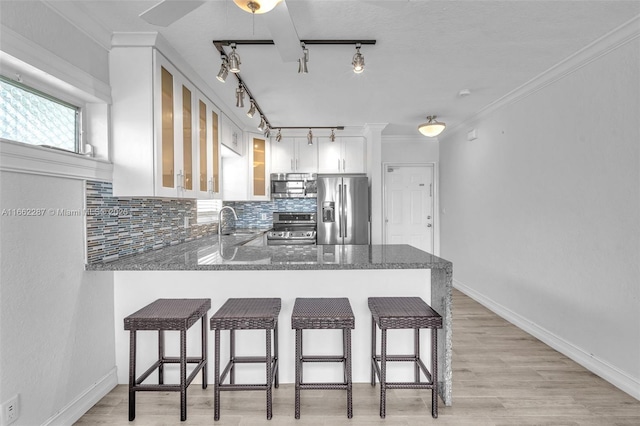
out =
column 267, row 132
column 358, row 60
column 309, row 138
column 332, row 136
column 252, row 109
column 234, row 60
column 240, row 97
column 262, row 125
column 224, row 71
column 304, row 61
column 279, row 136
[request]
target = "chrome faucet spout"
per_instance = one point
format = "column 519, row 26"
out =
column 235, row 216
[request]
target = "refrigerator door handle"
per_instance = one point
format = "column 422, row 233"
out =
column 344, row 209
column 340, row 207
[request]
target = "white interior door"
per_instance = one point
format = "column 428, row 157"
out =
column 409, row 205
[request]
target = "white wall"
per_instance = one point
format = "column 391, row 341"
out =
column 406, row 149
column 540, row 214
column 56, row 320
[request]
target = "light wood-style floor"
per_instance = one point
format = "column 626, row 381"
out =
column 501, row 376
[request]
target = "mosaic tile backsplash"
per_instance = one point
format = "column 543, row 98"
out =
column 118, row 226
column 122, row 226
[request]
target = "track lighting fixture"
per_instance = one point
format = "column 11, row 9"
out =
column 252, row 109
column 256, row 6
column 234, row 60
column 267, row 132
column 240, row 97
column 332, row 136
column 224, row 70
column 358, row 60
column 431, row 128
column 303, row 62
column 279, row 135
column 309, row 138
column 262, row 125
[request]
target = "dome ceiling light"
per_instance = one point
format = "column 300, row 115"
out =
column 256, row 6
column 432, row 127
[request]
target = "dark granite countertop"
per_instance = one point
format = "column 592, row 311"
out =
column 206, row 254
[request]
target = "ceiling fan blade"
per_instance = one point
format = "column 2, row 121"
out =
column 167, row 12
column 283, row 32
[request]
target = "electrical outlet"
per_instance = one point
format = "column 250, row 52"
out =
column 186, row 222
column 264, row 216
column 10, row 411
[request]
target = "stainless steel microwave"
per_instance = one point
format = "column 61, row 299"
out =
column 294, row 185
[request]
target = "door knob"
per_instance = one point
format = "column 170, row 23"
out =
column 428, row 225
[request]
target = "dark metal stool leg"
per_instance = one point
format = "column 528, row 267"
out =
column 161, row 356
column 298, row 371
column 269, row 367
column 183, row 375
column 416, row 353
column 434, row 372
column 216, row 377
column 276, row 356
column 373, row 352
column 383, row 373
column 232, row 356
column 347, row 333
column 132, row 375
column 204, row 351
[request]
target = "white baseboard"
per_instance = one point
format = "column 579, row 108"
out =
column 72, row 412
column 608, row 372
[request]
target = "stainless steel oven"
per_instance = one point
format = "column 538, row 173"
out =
column 291, row 228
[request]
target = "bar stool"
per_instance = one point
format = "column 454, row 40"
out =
column 404, row 313
column 246, row 314
column 323, row 313
column 162, row 315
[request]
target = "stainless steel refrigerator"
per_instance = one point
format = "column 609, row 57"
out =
column 343, row 209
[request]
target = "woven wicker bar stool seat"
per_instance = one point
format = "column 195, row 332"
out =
column 323, row 313
column 404, row 313
column 246, row 314
column 163, row 315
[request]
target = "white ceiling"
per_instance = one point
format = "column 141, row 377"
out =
column 426, row 52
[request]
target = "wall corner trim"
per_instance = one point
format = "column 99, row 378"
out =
column 614, row 39
column 601, row 368
column 83, row 402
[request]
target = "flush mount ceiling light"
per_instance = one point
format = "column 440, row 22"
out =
column 234, row 60
column 302, row 62
column 279, row 135
column 240, row 97
column 309, row 138
column 431, row 128
column 332, row 136
column 224, row 71
column 358, row 60
column 252, row 109
column 256, row 6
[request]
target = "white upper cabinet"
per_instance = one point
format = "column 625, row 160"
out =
column 163, row 129
column 345, row 155
column 293, row 155
column 232, row 136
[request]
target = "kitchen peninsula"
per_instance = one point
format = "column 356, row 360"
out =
column 207, row 268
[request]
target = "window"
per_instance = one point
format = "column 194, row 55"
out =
column 207, row 211
column 32, row 117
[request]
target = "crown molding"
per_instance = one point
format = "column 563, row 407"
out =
column 72, row 13
column 613, row 40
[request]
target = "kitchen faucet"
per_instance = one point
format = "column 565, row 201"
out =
column 220, row 218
